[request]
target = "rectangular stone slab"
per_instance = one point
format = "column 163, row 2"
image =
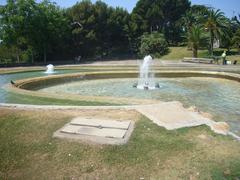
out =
column 94, row 131
column 172, row 115
column 101, row 123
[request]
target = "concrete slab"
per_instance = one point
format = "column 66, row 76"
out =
column 172, row 115
column 94, row 131
column 72, row 132
column 81, row 121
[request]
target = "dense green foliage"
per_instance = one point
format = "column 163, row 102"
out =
column 40, row 32
column 153, row 44
column 159, row 15
column 236, row 34
column 236, row 39
column 202, row 23
column 32, row 29
column 102, row 30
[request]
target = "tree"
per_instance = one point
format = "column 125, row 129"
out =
column 84, row 36
column 216, row 24
column 194, row 15
column 189, row 19
column 236, row 21
column 33, row 28
column 153, row 44
column 49, row 28
column 196, row 39
column 200, row 10
column 103, row 32
column 118, row 42
column 159, row 15
column 15, row 18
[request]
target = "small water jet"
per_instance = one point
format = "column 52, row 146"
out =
column 146, row 79
column 50, row 69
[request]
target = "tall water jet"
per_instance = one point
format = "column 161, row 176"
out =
column 146, row 78
column 50, row 69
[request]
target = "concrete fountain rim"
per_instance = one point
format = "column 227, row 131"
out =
column 18, row 87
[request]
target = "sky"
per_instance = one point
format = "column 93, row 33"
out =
column 229, row 7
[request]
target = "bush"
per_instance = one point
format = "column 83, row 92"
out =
column 153, row 44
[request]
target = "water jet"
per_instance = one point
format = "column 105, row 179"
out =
column 50, row 69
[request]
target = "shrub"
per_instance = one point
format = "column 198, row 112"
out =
column 153, row 44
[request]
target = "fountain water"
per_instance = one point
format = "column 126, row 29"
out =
column 50, row 69
column 146, row 80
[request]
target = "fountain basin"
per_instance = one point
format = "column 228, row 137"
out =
column 32, row 85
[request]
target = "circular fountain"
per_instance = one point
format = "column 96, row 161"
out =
column 191, row 87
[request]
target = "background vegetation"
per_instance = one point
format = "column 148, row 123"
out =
column 33, row 32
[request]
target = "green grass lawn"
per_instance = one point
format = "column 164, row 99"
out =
column 28, row 151
column 35, row 100
column 178, row 53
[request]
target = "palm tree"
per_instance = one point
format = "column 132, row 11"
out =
column 196, row 39
column 216, row 24
column 188, row 20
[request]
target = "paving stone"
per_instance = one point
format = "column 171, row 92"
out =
column 101, row 123
column 172, row 115
column 94, row 131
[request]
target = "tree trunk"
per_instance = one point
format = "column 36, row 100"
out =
column 211, row 43
column 32, row 57
column 195, row 52
column 45, row 55
column 18, row 56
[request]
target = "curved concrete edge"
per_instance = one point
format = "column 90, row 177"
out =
column 57, row 107
column 19, row 84
column 125, row 74
column 234, row 135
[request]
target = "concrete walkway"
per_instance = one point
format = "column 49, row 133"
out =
column 172, row 115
